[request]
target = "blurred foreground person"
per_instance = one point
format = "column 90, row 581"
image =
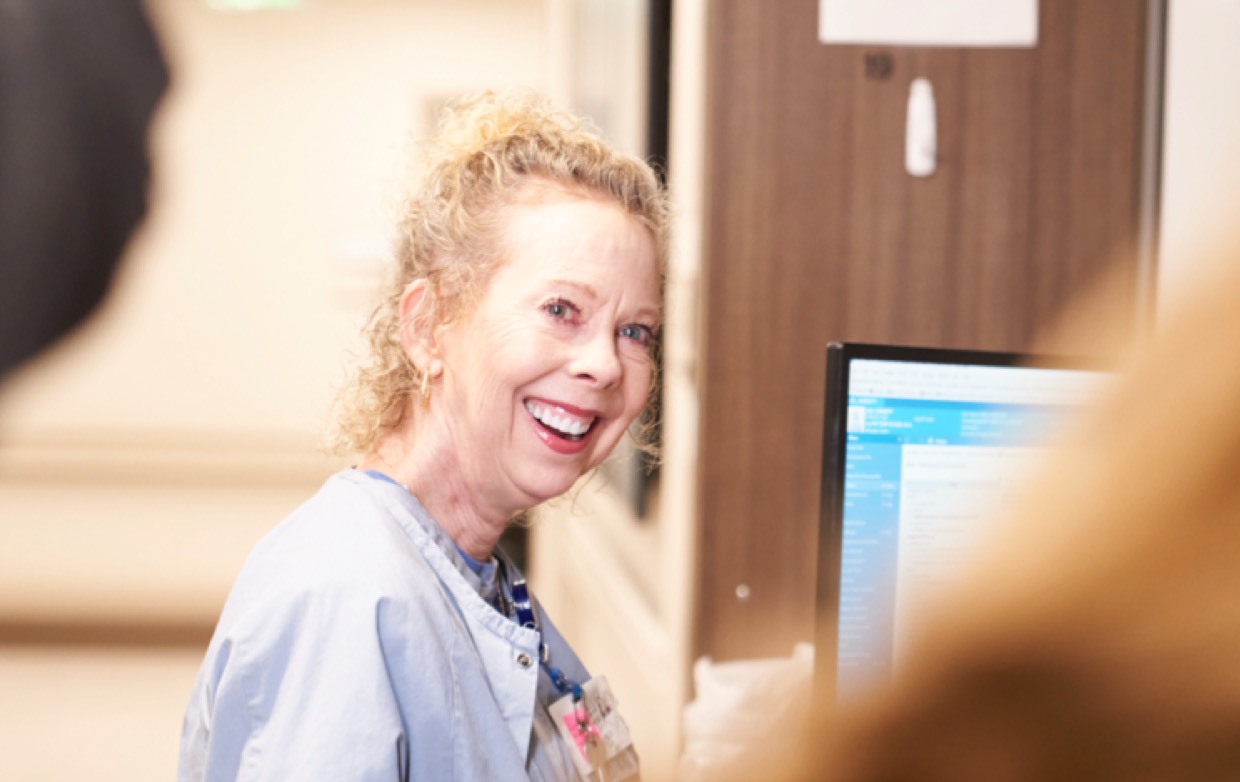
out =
column 378, row 633
column 79, row 83
column 1101, row 640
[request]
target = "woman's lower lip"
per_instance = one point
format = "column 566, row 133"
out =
column 559, row 444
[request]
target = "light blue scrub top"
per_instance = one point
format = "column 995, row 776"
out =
column 356, row 644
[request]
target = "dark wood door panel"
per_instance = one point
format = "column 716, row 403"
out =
column 815, row 232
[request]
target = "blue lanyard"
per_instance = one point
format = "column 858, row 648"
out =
column 520, row 606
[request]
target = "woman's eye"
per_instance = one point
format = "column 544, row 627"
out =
column 561, row 309
column 642, row 335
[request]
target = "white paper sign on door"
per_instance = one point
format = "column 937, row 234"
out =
column 1003, row 23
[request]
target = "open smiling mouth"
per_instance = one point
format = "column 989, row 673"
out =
column 560, row 423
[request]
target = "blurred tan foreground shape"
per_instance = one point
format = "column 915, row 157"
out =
column 1099, row 639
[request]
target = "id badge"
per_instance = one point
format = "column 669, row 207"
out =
column 596, row 734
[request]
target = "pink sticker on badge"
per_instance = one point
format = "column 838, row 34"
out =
column 582, row 730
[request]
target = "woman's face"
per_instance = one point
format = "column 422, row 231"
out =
column 544, row 377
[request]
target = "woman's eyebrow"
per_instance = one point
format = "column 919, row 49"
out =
column 581, row 287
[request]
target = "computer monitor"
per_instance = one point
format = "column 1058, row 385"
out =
column 922, row 448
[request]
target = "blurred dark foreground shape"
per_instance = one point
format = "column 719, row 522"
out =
column 79, row 82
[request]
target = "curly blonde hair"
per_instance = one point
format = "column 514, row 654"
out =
column 491, row 151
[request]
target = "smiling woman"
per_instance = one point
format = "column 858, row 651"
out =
column 379, row 633
column 541, row 380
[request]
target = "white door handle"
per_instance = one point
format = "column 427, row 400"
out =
column 920, row 134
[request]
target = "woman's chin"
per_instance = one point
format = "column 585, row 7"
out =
column 544, row 488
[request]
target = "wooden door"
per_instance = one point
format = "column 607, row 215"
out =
column 814, row 232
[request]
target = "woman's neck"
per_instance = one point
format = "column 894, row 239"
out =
column 434, row 477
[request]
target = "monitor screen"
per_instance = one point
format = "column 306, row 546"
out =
column 922, row 450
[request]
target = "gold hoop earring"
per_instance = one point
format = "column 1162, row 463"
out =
column 425, row 392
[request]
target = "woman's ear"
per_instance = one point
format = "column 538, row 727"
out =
column 418, row 327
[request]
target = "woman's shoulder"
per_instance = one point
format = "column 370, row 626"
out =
column 329, row 532
column 326, row 597
column 341, row 550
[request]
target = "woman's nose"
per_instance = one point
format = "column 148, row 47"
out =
column 597, row 360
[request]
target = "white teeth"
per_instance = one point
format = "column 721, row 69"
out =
column 560, row 422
